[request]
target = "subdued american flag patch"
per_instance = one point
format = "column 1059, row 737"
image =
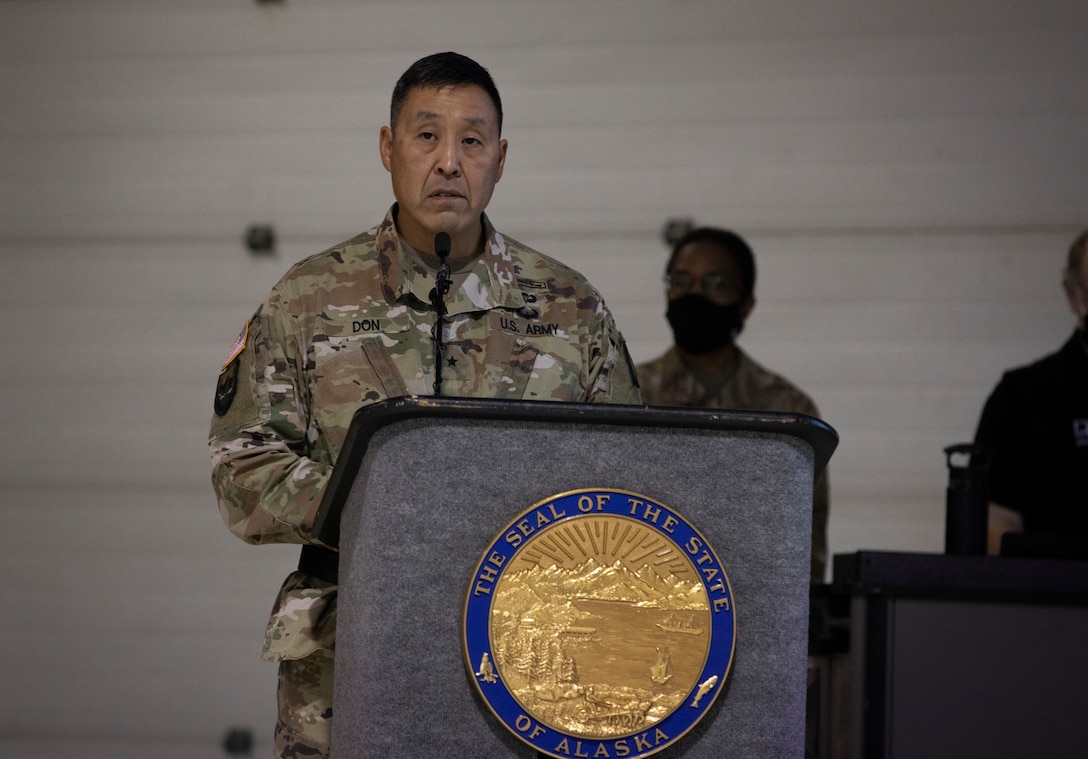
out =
column 239, row 345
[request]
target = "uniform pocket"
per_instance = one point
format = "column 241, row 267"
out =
column 340, row 384
column 541, row 360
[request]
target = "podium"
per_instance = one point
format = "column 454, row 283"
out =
column 424, row 485
column 960, row 655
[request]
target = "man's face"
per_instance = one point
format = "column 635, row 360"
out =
column 1077, row 293
column 445, row 156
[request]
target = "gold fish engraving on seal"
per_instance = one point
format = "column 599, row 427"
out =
column 597, row 626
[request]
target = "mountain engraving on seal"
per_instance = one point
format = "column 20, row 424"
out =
column 595, row 628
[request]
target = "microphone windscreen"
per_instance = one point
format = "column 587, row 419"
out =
column 442, row 244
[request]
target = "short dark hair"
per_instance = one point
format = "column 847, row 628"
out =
column 443, row 70
column 731, row 243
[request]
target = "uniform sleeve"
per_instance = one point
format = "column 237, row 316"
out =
column 268, row 489
column 611, row 371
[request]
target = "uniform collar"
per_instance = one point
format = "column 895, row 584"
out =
column 489, row 282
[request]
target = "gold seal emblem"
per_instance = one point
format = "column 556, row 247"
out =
column 599, row 623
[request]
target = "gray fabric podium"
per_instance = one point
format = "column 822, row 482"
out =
column 423, row 485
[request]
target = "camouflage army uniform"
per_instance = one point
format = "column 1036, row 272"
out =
column 352, row 326
column 665, row 381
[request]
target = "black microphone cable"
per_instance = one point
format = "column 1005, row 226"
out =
column 438, row 300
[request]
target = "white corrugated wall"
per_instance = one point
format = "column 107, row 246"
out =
column 910, row 176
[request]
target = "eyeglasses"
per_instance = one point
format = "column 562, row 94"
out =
column 712, row 285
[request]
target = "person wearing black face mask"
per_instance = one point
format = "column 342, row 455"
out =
column 710, row 287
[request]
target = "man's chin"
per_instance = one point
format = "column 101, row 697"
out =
column 426, row 226
column 453, row 222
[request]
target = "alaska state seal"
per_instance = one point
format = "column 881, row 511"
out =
column 599, row 623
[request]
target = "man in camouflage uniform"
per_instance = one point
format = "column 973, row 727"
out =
column 710, row 279
column 353, row 325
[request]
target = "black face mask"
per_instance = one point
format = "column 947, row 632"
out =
column 700, row 325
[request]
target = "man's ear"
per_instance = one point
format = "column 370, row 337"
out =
column 385, row 146
column 1076, row 303
column 502, row 159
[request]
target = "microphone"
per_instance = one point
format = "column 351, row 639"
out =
column 442, row 245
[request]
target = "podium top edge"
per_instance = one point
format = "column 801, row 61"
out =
column 819, row 434
column 369, row 419
column 975, row 577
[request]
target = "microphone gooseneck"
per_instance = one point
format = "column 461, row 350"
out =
column 442, row 246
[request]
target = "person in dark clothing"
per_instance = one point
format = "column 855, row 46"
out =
column 1034, row 427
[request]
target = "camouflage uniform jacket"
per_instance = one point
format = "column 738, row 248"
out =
column 665, row 381
column 352, row 326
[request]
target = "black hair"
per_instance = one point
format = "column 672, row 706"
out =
column 731, row 243
column 443, row 70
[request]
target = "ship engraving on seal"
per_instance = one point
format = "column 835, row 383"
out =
column 599, row 623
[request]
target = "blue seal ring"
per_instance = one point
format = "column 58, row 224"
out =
column 574, row 537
